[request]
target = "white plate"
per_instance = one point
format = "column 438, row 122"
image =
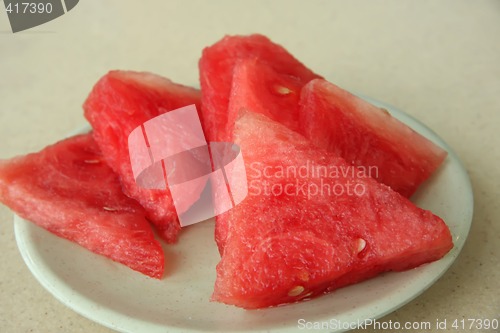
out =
column 119, row 298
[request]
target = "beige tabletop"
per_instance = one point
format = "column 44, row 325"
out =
column 439, row 61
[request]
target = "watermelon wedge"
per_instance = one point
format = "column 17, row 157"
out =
column 335, row 120
column 365, row 135
column 120, row 102
column 309, row 225
column 69, row 190
column 216, row 73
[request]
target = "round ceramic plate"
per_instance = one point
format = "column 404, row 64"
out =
column 126, row 301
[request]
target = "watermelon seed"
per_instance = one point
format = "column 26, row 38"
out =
column 92, row 161
column 361, row 244
column 283, row 90
column 109, row 209
column 296, row 291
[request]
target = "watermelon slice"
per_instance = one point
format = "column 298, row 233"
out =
column 309, row 225
column 216, row 72
column 120, row 102
column 366, row 135
column 68, row 189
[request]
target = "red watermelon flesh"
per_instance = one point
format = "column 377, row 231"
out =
column 290, row 244
column 366, row 135
column 69, row 190
column 258, row 87
column 216, row 73
column 120, row 102
column 268, row 92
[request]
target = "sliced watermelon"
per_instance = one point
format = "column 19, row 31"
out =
column 216, row 72
column 297, row 235
column 120, row 102
column 366, row 135
column 69, row 190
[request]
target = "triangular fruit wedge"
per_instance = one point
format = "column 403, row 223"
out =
column 69, row 190
column 312, row 223
column 216, row 73
column 365, row 135
column 120, row 102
